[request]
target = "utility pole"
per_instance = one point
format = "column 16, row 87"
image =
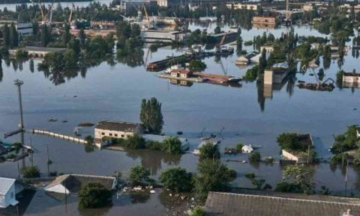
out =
column 19, row 83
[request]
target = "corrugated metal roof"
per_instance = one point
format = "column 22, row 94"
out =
column 230, row 204
column 5, row 185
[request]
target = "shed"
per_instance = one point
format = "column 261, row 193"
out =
column 7, row 192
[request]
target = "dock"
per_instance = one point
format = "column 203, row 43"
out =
column 214, row 78
column 61, row 136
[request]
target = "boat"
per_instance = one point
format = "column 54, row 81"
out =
column 212, row 136
column 234, row 79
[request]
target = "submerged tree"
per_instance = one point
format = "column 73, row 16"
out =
column 300, row 175
column 151, row 115
column 94, row 195
column 177, row 180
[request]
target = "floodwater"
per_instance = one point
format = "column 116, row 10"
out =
column 114, row 92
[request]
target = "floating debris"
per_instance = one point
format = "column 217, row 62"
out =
column 232, row 151
column 52, row 120
column 65, row 121
column 317, row 87
column 179, row 133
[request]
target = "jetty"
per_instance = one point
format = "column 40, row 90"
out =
column 61, row 136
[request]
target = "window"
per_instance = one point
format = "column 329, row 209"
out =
column 110, row 134
column 116, row 135
column 102, row 133
column 122, row 136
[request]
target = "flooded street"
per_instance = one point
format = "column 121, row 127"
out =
column 114, row 92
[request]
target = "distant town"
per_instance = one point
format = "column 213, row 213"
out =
column 169, row 107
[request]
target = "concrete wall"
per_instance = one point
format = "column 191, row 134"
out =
column 9, row 198
column 264, row 20
column 268, row 77
column 289, row 156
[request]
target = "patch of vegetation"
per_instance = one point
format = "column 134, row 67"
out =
column 94, row 195
column 197, row 65
column 30, row 172
column 151, row 115
column 139, row 175
column 254, row 157
column 209, row 151
column 177, row 180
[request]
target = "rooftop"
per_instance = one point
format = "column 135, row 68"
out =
column 231, row 204
column 5, row 185
column 117, row 126
column 73, row 182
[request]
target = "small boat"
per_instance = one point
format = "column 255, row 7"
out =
column 77, row 131
column 52, row 120
column 234, row 79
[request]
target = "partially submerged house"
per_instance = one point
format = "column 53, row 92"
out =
column 182, row 73
column 351, row 79
column 7, row 192
column 300, row 156
column 275, row 75
column 257, row 203
column 67, row 184
column 117, row 130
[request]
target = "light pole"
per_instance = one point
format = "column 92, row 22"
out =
column 19, row 83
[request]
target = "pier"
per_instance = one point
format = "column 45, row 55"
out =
column 61, row 136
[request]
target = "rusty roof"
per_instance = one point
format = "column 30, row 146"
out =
column 117, row 126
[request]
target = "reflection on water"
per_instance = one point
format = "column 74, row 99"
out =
column 153, row 160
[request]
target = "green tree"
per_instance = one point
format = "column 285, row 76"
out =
column 82, row 37
column 177, row 180
column 30, row 172
column 75, row 45
column 45, row 36
column 70, row 58
column 151, row 115
column 14, row 37
column 209, row 151
column 135, row 142
column 139, row 175
column 288, row 141
column 94, row 195
column 347, row 141
column 254, row 157
column 35, row 27
column 6, row 36
column 172, row 145
column 197, row 65
column 300, row 175
column 66, row 35
column 31, row 65
column 212, row 176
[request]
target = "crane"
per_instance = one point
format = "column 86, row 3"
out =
column 218, row 47
column 42, row 13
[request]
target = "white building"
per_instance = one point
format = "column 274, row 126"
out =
column 7, row 192
column 247, row 149
column 351, row 79
column 117, row 130
column 163, row 36
column 239, row 6
column 66, row 184
column 24, row 29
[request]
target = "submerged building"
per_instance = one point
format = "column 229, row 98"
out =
column 351, row 79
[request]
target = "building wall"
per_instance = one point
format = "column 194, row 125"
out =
column 8, row 198
column 264, row 20
column 239, row 6
column 289, row 156
column 351, row 79
column 268, row 49
column 268, row 77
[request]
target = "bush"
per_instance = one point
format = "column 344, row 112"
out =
column 289, row 141
column 94, row 195
column 254, row 157
column 251, row 74
column 172, row 145
column 248, row 43
column 197, row 65
column 139, row 175
column 250, row 175
column 209, row 151
column 177, row 180
column 154, row 145
column 286, row 187
column 135, row 142
column 239, row 147
column 196, row 211
column 89, row 139
column 30, row 172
